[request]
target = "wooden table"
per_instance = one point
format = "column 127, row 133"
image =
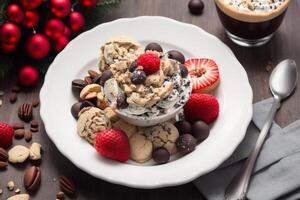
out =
column 285, row 44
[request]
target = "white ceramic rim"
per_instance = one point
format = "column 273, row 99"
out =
column 176, row 172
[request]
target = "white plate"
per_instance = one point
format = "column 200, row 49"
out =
column 234, row 95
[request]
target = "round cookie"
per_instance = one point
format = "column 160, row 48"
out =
column 129, row 129
column 18, row 154
column 163, row 135
column 140, row 148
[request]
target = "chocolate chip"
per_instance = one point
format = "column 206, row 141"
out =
column 16, row 89
column 200, row 130
column 183, row 71
column 154, row 47
column 75, row 109
column 28, row 136
column 60, row 195
column 138, row 77
column 122, row 101
column 19, row 133
column 3, row 155
column 161, row 155
column 36, row 102
column 13, row 97
column 132, row 66
column 18, row 125
column 25, row 112
column 196, row 7
column 88, row 80
column 32, row 178
column 3, row 165
column 186, row 143
column 78, row 85
column 34, row 124
column 67, row 185
column 183, row 127
column 176, row 55
column 107, row 74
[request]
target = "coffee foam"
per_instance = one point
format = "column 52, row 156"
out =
column 253, row 10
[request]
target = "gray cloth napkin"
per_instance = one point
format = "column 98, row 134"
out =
column 277, row 171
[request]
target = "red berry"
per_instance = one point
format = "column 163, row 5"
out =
column 150, row 63
column 204, row 107
column 6, row 135
column 113, row 144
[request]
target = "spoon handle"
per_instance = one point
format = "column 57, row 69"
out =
column 237, row 189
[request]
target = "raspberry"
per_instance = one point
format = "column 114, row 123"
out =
column 150, row 63
column 6, row 135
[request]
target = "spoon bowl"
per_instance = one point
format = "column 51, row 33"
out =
column 283, row 79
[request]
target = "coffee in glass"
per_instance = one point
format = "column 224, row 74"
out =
column 251, row 22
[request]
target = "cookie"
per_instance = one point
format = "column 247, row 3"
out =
column 18, row 154
column 140, row 148
column 129, row 129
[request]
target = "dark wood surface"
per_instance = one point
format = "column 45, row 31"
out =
column 285, row 44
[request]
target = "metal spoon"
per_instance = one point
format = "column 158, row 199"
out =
column 282, row 83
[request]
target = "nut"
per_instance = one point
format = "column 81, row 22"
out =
column 19, row 197
column 19, row 133
column 93, row 73
column 3, row 155
column 101, row 101
column 89, row 89
column 35, row 151
column 32, row 178
column 18, row 125
column 67, row 185
column 36, row 102
column 60, row 195
column 28, row 136
column 88, row 80
column 25, row 112
column 18, row 154
column 10, row 185
column 17, row 191
column 111, row 114
column 3, row 165
column 13, row 97
column 34, row 124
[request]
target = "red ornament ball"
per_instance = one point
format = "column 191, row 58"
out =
column 54, row 28
column 76, row 21
column 28, row 76
column 67, row 32
column 8, row 48
column 14, row 13
column 31, row 4
column 60, row 8
column 31, row 19
column 9, row 33
column 60, row 43
column 88, row 3
column 37, row 46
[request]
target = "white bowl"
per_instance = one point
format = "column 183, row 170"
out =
column 81, row 54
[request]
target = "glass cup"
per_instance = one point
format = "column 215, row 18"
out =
column 250, row 28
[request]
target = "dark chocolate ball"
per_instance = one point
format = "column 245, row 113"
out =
column 97, row 79
column 122, row 101
column 132, row 66
column 183, row 71
column 200, row 130
column 161, row 155
column 107, row 74
column 75, row 109
column 154, row 47
column 186, row 143
column 77, row 86
column 138, row 77
column 196, row 7
column 176, row 55
column 183, row 127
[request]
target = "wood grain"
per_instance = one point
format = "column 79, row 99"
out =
column 285, row 44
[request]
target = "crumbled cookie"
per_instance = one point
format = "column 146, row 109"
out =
column 163, row 135
column 91, row 121
column 140, row 148
column 129, row 129
column 19, row 197
column 18, row 154
column 35, row 151
column 111, row 114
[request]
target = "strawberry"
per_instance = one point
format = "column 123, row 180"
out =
column 6, row 135
column 150, row 62
column 113, row 144
column 204, row 107
column 204, row 74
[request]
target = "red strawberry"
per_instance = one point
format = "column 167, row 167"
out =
column 6, row 135
column 113, row 144
column 150, row 62
column 204, row 107
column 204, row 73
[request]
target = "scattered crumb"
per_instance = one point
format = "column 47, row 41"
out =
column 10, row 185
column 17, row 191
column 1, row 191
column 269, row 66
column 54, row 179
